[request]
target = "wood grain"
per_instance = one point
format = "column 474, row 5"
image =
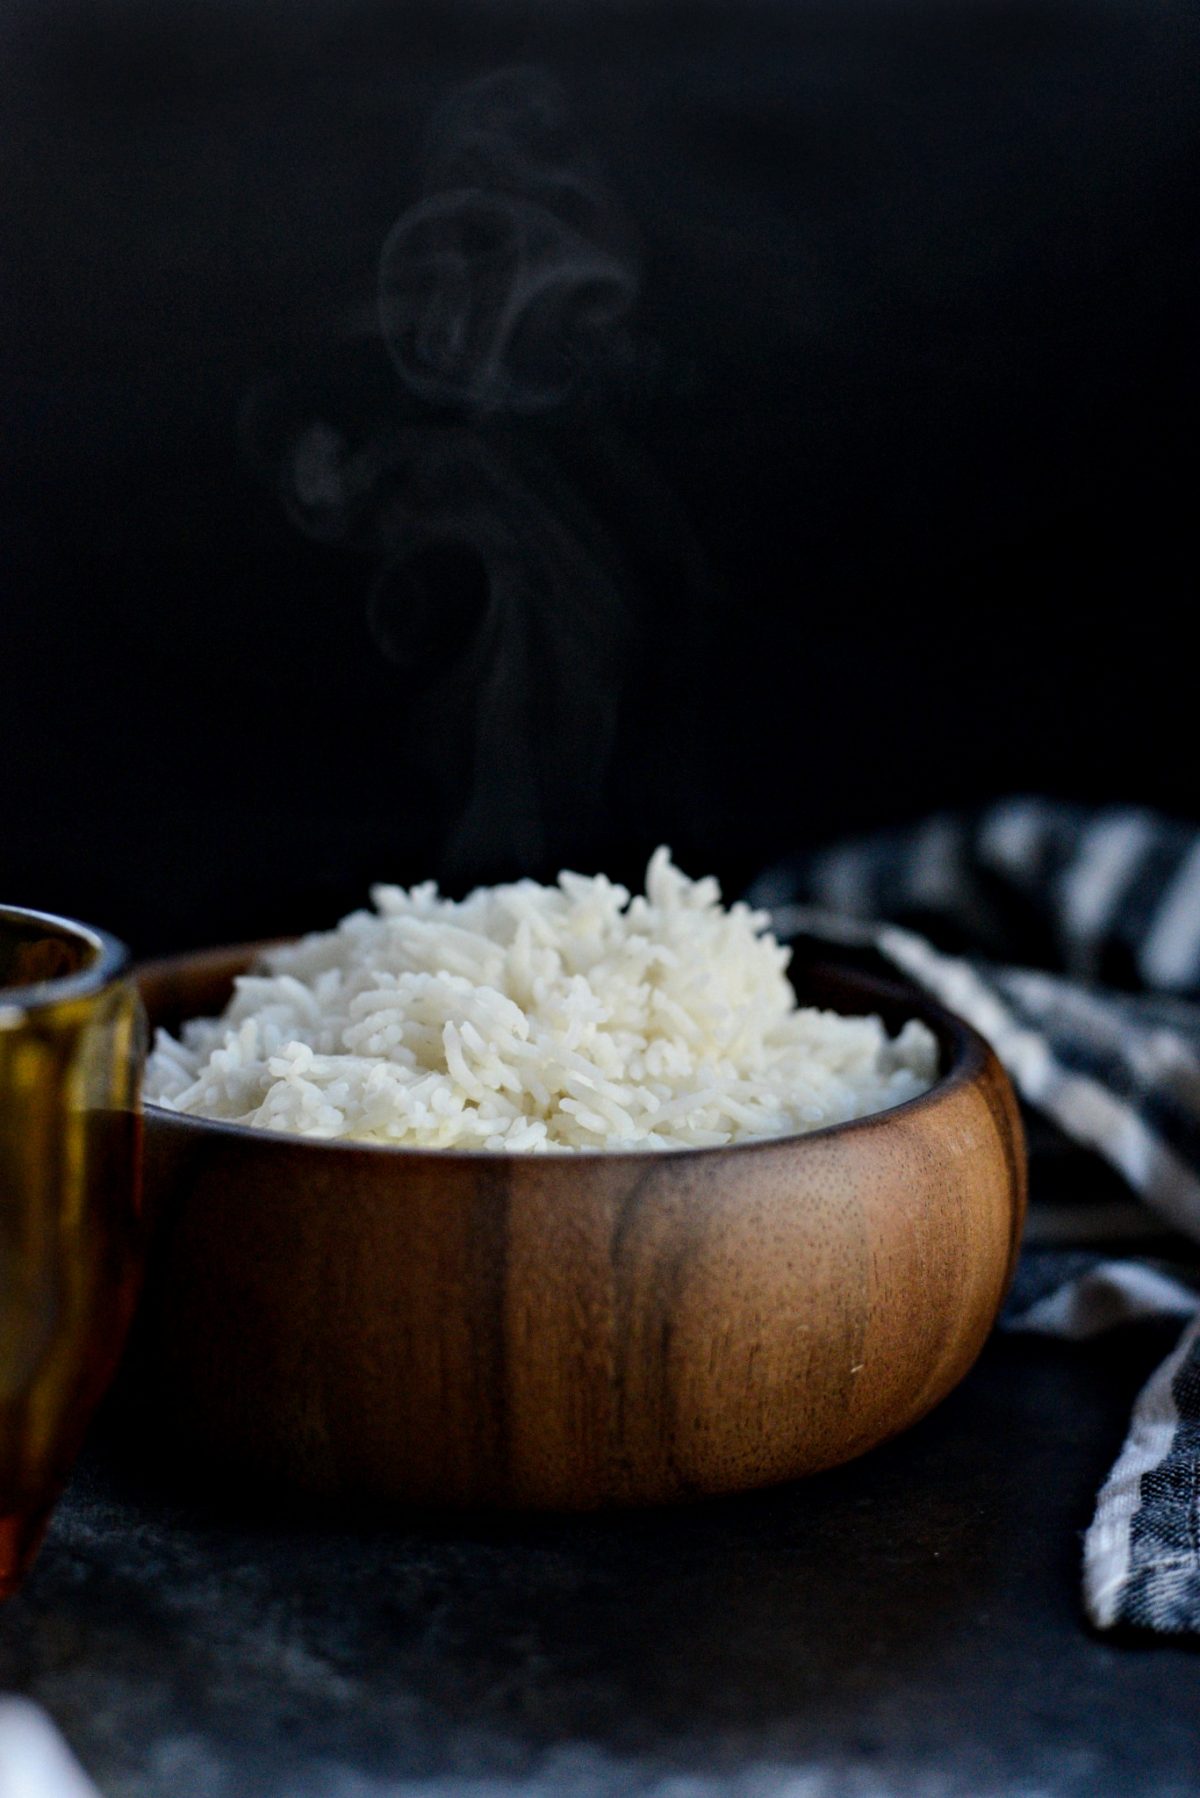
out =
column 575, row 1331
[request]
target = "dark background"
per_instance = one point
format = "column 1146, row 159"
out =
column 873, row 492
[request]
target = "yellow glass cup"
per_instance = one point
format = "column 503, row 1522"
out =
column 72, row 1036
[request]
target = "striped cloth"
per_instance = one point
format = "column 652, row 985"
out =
column 1070, row 938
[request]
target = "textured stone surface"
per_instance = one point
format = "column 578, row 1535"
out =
column 908, row 1625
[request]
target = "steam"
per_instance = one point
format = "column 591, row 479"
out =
column 505, row 297
column 527, row 660
column 509, row 280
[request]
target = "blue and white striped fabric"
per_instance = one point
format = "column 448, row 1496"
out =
column 1070, row 938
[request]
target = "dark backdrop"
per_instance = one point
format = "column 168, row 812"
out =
column 781, row 421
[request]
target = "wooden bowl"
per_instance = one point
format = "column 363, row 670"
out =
column 575, row 1331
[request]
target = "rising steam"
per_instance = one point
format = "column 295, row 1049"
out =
column 509, row 281
column 505, row 295
column 494, row 541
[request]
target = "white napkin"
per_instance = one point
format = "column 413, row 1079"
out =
column 35, row 1762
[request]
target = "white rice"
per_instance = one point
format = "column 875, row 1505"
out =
column 529, row 1018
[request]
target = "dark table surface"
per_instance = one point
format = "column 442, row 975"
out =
column 907, row 1625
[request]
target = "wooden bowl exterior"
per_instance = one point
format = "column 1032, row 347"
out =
column 575, row 1331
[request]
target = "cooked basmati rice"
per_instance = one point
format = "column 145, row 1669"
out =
column 530, row 1018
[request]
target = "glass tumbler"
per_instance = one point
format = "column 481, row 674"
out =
column 71, row 1043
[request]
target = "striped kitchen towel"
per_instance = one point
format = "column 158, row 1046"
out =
column 1070, row 938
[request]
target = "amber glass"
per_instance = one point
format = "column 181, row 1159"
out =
column 71, row 1040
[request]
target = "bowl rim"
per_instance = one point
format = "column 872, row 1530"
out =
column 964, row 1051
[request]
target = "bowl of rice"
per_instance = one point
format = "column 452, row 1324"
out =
column 561, row 1196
